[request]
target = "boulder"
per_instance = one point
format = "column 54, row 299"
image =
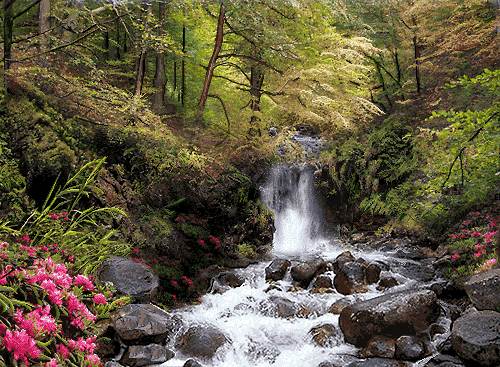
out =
column 414, row 270
column 343, row 258
column 304, row 272
column 130, row 278
column 380, row 346
column 192, row 363
column 326, row 335
column 484, row 290
column 284, row 308
column 225, row 281
column 112, row 364
column 475, row 337
column 391, row 315
column 410, row 348
column 277, row 269
column 144, row 323
column 146, row 355
column 337, row 306
column 372, row 273
column 202, row 341
column 322, row 282
column 350, row 278
column 444, row 360
column 378, row 362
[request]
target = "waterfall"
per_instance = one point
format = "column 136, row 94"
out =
column 289, row 192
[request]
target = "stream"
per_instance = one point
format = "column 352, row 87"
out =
column 247, row 314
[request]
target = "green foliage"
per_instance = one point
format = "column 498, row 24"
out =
column 193, row 231
column 247, row 250
column 84, row 233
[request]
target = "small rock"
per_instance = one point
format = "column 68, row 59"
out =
column 444, row 360
column 475, row 337
column 378, row 362
column 277, row 269
column 192, row 363
column 144, row 323
column 415, row 270
column 326, row 335
column 350, row 278
column 305, row 272
column 145, row 355
column 130, row 278
column 343, row 258
column 387, row 282
column 409, row 348
column 379, row 346
column 337, row 307
column 284, row 308
column 484, row 290
column 322, row 282
column 372, row 273
column 391, row 315
column 225, row 281
column 202, row 341
column 112, row 364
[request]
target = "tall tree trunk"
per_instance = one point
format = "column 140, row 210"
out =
column 160, row 79
column 256, row 82
column 219, row 39
column 175, row 76
column 383, row 84
column 105, row 45
column 8, row 28
column 140, row 72
column 417, row 63
column 117, row 39
column 183, row 66
column 44, row 22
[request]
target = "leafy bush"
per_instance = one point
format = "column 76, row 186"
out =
column 81, row 232
column 47, row 313
column 247, row 250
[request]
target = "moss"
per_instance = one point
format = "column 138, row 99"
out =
column 247, row 251
column 193, row 231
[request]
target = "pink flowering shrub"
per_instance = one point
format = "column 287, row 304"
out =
column 472, row 245
column 47, row 314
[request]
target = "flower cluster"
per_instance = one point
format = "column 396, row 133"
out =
column 43, row 305
column 59, row 216
column 473, row 243
column 212, row 242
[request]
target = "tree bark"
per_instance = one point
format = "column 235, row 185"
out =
column 44, row 22
column 8, row 28
column 141, row 60
column 105, row 45
column 219, row 39
column 417, row 64
column 160, row 78
column 183, row 66
column 256, row 82
column 117, row 39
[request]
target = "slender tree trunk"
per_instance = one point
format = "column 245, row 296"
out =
column 398, row 65
column 8, row 28
column 175, row 76
column 105, row 45
column 44, row 22
column 256, row 82
column 140, row 72
column 383, row 84
column 417, row 63
column 183, row 66
column 160, row 79
column 117, row 39
column 219, row 39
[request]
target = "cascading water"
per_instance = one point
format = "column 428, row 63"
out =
column 289, row 193
column 259, row 336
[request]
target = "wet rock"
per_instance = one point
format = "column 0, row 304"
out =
column 343, row 258
column 145, row 355
column 337, row 306
column 326, row 335
column 475, row 337
column 436, row 329
column 444, row 360
column 410, row 348
column 144, row 323
column 277, row 269
column 379, row 346
column 130, row 278
column 415, row 270
column 387, row 282
column 192, row 363
column 391, row 315
column 350, row 278
column 201, row 341
column 112, row 364
column 259, row 351
column 283, row 308
column 305, row 272
column 379, row 362
column 484, row 290
column 225, row 281
column 322, row 282
column 372, row 273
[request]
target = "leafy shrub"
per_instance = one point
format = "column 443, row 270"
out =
column 47, row 313
column 247, row 250
column 82, row 232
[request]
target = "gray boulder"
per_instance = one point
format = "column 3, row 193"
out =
column 391, row 315
column 202, row 341
column 277, row 269
column 372, row 273
column 378, row 362
column 343, row 258
column 326, row 335
column 484, row 290
column 304, row 272
column 284, row 308
column 380, row 346
column 146, row 355
column 337, row 306
column 410, row 348
column 144, row 323
column 350, row 278
column 475, row 337
column 130, row 278
column 192, row 363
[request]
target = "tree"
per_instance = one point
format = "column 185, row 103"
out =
column 44, row 22
column 160, row 77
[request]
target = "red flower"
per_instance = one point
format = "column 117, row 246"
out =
column 476, row 234
column 21, row 345
column 136, row 251
column 53, row 216
column 25, row 239
column 455, row 257
column 100, row 299
column 174, row 297
column 202, row 243
column 187, row 281
column 174, row 283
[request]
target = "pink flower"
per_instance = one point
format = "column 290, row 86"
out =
column 78, row 312
column 455, row 257
column 55, row 295
column 83, row 345
column 465, row 223
column 25, row 239
column 136, row 251
column 186, row 280
column 51, row 363
column 53, row 216
column 63, row 351
column 21, row 345
column 174, row 283
column 83, row 281
column 478, row 254
column 476, row 234
column 92, row 360
column 202, row 243
column 37, row 322
column 488, row 236
column 100, row 299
